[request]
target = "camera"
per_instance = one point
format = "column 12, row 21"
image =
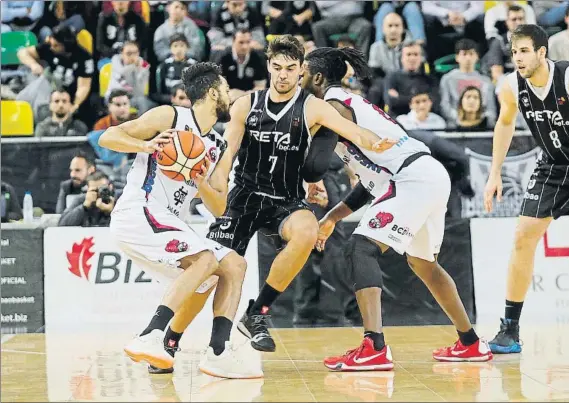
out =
column 105, row 193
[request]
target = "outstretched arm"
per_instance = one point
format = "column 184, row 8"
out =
column 235, row 129
column 213, row 191
column 320, row 112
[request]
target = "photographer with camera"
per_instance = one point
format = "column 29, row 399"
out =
column 93, row 209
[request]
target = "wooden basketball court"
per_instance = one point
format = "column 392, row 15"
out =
column 88, row 367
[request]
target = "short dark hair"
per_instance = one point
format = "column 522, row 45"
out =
column 119, row 92
column 346, row 39
column 421, row 89
column 66, row 35
column 241, row 31
column 179, row 37
column 134, row 43
column 514, row 8
column 536, row 33
column 174, row 90
column 199, row 78
column 464, row 45
column 97, row 176
column 88, row 159
column 331, row 63
column 286, row 45
column 411, row 44
column 61, row 90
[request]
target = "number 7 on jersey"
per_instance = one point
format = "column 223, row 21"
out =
column 273, row 160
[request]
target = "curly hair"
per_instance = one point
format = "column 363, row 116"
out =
column 331, row 63
column 199, row 78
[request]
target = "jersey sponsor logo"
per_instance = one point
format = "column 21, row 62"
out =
column 225, row 225
column 394, row 238
column 402, row 140
column 380, row 220
column 362, row 159
column 253, row 120
column 173, row 211
column 531, row 196
column 531, row 184
column 281, row 139
column 212, row 154
column 220, row 235
column 525, row 101
column 555, row 118
column 405, row 231
column 176, row 246
column 180, row 196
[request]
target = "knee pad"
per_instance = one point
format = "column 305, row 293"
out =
column 362, row 256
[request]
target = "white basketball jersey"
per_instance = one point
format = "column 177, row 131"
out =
column 373, row 168
column 146, row 185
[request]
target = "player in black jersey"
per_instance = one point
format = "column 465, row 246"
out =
column 540, row 90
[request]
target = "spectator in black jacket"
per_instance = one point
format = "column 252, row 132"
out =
column 10, row 209
column 399, row 85
column 122, row 25
column 93, row 209
column 80, row 167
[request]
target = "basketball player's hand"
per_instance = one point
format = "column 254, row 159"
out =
column 317, row 194
column 200, row 177
column 105, row 207
column 158, row 142
column 383, row 145
column 493, row 187
column 326, row 227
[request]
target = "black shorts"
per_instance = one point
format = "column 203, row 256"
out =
column 248, row 212
column 547, row 193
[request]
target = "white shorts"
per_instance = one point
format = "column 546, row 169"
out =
column 155, row 240
column 410, row 215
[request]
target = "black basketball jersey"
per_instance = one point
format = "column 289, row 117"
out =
column 273, row 149
column 547, row 115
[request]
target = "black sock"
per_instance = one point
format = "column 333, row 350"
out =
column 378, row 339
column 514, row 310
column 220, row 334
column 172, row 339
column 467, row 338
column 266, row 297
column 159, row 320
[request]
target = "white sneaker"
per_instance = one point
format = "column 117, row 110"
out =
column 234, row 363
column 150, row 348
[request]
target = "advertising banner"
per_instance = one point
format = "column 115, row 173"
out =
column 548, row 296
column 22, row 281
column 516, row 172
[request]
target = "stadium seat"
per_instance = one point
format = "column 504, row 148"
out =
column 85, row 39
column 145, row 11
column 488, row 4
column 105, row 78
column 14, row 41
column 17, row 119
column 447, row 63
column 334, row 38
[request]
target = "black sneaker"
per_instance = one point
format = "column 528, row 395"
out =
column 255, row 328
column 155, row 370
column 507, row 341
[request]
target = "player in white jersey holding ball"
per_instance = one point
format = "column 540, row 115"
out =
column 148, row 220
column 410, row 191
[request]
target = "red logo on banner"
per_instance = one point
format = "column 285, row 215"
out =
column 551, row 251
column 79, row 258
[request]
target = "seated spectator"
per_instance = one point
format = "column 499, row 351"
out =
column 117, row 27
column 454, row 82
column 71, row 66
column 498, row 60
column 385, row 55
column 349, row 82
column 495, row 19
column 61, row 122
column 92, row 209
column 178, row 22
column 448, row 21
column 10, row 209
column 550, row 13
column 178, row 97
column 559, row 43
column 421, row 116
column 339, row 17
column 410, row 11
column 119, row 110
column 171, row 69
column 80, row 167
column 131, row 73
column 72, row 13
column 21, row 15
column 470, row 112
column 290, row 17
column 231, row 17
column 399, row 84
column 244, row 69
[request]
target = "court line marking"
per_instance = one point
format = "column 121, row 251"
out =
column 6, row 350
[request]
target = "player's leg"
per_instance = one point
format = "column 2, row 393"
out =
column 529, row 231
column 362, row 258
column 299, row 230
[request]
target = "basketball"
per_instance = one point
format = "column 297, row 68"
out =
column 183, row 157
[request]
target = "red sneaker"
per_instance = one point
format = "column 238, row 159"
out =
column 363, row 358
column 479, row 351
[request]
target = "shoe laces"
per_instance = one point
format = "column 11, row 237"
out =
column 506, row 329
column 260, row 323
